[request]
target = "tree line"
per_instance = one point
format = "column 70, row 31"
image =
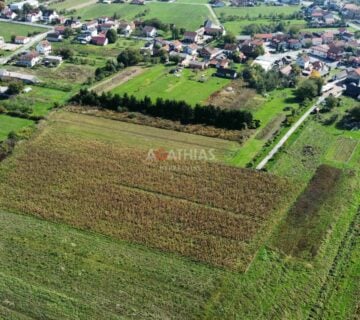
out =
column 170, row 109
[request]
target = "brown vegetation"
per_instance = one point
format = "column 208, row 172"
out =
column 205, row 211
column 138, row 118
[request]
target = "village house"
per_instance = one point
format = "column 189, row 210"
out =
column 138, row 2
column 209, row 52
column 100, row 40
column 50, row 16
column 18, row 6
column 21, row 40
column 191, row 49
column 176, row 45
column 194, row 64
column 351, row 11
column 149, row 31
column 34, row 16
column 336, row 50
column 44, row 47
column 90, row 25
column 303, row 61
column 231, row 48
column 54, row 37
column 7, row 13
column 242, row 3
column 29, row 59
column 294, row 44
column 9, row 75
column 106, row 26
column 320, row 51
column 218, row 4
column 60, row 30
column 266, row 37
column 212, row 29
column 126, row 28
column 327, row 37
column 191, row 37
column 219, row 63
column 353, row 83
column 52, row 60
column 226, row 73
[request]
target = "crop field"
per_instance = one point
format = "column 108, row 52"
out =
column 193, row 87
column 8, row 124
column 182, row 15
column 195, row 209
column 254, row 12
column 8, row 29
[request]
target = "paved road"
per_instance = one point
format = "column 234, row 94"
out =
column 34, row 40
column 297, row 124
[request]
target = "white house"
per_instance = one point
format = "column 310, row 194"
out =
column 50, row 16
column 29, row 59
column 44, row 47
column 149, row 31
column 22, row 40
column 320, row 51
column 34, row 16
column 303, row 61
column 19, row 5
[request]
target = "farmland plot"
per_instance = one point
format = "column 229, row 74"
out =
column 202, row 210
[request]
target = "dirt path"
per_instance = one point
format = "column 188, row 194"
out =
column 117, row 79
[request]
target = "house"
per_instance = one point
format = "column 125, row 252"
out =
column 100, row 40
column 218, row 4
column 89, row 25
column 111, row 24
column 18, row 6
column 231, row 48
column 73, row 23
column 191, row 37
column 219, row 63
column 286, row 71
column 327, row 37
column 320, row 51
column 266, row 37
column 209, row 52
column 316, row 41
column 242, row 3
column 294, row 44
column 212, row 29
column 351, row 11
column 138, row 2
column 336, row 51
column 191, row 49
column 353, row 83
column 226, row 73
column 52, row 60
column 43, row 47
column 29, row 59
column 21, row 40
column 321, row 67
column 60, row 29
column 194, row 64
column 7, row 13
column 84, row 37
column 126, row 28
column 34, row 16
column 50, row 16
column 176, row 45
column 9, row 75
column 149, row 31
column 54, row 37
column 303, row 61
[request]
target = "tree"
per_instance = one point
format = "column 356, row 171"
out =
column 15, row 87
column 307, row 89
column 27, row 8
column 175, row 33
column 129, row 57
column 229, row 38
column 331, row 102
column 2, row 5
column 68, row 32
column 66, row 53
column 111, row 35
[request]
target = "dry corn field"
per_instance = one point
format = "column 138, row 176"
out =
column 205, row 211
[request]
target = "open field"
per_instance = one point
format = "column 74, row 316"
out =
column 237, row 27
column 68, row 4
column 157, row 82
column 256, row 11
column 182, row 15
column 342, row 149
column 8, row 124
column 267, row 110
column 9, row 29
column 206, row 218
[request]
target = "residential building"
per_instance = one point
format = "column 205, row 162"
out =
column 29, row 59
column 44, row 47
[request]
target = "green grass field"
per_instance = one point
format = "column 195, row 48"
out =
column 272, row 107
column 256, row 11
column 8, row 124
column 157, row 82
column 182, row 15
column 237, row 27
column 68, row 4
column 8, row 29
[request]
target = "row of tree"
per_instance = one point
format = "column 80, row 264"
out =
column 170, row 109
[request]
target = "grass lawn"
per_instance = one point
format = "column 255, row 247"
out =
column 182, row 15
column 67, row 4
column 237, row 27
column 8, row 124
column 255, row 11
column 8, row 29
column 157, row 82
column 271, row 107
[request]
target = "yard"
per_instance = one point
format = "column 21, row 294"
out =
column 192, row 86
column 8, row 124
column 8, row 29
column 182, row 15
